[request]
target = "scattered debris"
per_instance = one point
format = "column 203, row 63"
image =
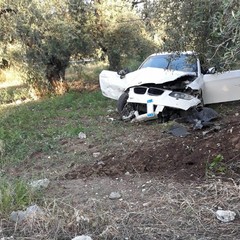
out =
column 213, row 129
column 31, row 213
column 178, row 131
column 200, row 119
column 225, row 215
column 82, row 135
column 100, row 163
column 96, row 154
column 71, row 164
column 39, row 184
column 82, row 237
column 115, row 195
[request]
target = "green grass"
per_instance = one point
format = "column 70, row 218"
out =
column 15, row 195
column 14, row 93
column 39, row 125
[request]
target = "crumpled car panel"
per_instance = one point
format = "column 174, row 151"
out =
column 113, row 86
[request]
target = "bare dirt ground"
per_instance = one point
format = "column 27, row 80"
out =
column 156, row 152
column 170, row 186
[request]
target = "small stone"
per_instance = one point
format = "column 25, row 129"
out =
column 82, row 135
column 100, row 163
column 96, row 154
column 31, row 213
column 146, row 204
column 115, row 195
column 38, row 184
column 71, row 165
column 225, row 215
column 82, row 237
column 127, row 173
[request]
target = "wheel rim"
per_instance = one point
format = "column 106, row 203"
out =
column 128, row 112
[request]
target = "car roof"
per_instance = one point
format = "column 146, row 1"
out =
column 171, row 53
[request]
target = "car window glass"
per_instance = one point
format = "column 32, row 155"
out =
column 182, row 62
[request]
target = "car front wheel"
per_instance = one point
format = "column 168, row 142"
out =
column 125, row 109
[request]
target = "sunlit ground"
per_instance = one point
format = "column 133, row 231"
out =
column 10, row 78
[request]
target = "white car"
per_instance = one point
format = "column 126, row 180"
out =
column 166, row 84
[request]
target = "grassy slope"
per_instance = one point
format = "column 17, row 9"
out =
column 38, row 125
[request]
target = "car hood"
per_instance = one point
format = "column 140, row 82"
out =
column 154, row 75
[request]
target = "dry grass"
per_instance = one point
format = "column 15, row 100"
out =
column 170, row 211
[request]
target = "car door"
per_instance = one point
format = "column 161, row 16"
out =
column 221, row 87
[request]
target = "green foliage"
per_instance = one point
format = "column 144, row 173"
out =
column 120, row 33
column 42, row 36
column 208, row 27
column 216, row 165
column 216, row 161
column 88, row 73
column 47, row 35
column 15, row 195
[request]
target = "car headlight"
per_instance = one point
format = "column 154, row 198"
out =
column 179, row 95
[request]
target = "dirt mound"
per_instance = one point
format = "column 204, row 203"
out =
column 206, row 152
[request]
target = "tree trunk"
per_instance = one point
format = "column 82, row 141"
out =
column 55, row 73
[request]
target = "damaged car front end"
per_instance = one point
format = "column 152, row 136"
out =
column 164, row 85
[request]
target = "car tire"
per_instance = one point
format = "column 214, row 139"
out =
column 122, row 101
column 125, row 109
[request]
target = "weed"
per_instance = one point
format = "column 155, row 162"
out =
column 216, row 165
column 15, row 195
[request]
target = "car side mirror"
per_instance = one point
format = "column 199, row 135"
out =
column 211, row 70
column 123, row 72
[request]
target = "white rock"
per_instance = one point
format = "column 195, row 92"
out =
column 31, row 213
column 100, row 163
column 115, row 195
column 82, row 135
column 82, row 237
column 225, row 215
column 96, row 154
column 38, row 184
column 147, row 204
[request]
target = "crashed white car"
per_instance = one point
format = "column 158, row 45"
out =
column 166, row 84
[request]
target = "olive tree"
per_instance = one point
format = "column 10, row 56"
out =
column 47, row 35
column 209, row 27
column 120, row 32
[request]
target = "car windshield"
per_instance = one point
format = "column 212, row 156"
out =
column 179, row 62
